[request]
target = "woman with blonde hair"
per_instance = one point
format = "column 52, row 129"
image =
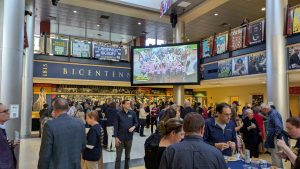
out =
column 93, row 150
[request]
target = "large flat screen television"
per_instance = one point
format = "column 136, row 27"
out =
column 166, row 65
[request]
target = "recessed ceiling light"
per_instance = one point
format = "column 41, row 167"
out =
column 263, row 8
column 184, row 4
column 74, row 11
column 216, row 14
column 98, row 25
column 139, row 23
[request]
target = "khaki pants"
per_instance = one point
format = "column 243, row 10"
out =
column 91, row 164
column 110, row 139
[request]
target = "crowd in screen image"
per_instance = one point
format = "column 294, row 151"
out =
column 88, row 128
column 166, row 64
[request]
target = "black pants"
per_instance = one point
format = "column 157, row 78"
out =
column 142, row 125
column 253, row 150
column 127, row 145
column 138, row 127
column 153, row 122
column 148, row 121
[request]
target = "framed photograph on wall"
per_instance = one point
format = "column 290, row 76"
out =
column 224, row 68
column 294, row 57
column 257, row 63
column 240, row 66
column 257, row 99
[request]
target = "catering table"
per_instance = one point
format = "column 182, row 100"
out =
column 239, row 165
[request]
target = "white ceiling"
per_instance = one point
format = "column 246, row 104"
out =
column 125, row 14
column 90, row 33
column 153, row 5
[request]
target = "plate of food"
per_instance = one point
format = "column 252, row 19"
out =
column 231, row 158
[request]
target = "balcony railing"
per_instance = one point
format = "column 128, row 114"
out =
column 69, row 46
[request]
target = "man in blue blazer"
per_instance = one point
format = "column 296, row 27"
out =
column 63, row 140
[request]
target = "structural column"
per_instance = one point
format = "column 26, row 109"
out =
column 11, row 62
column 178, row 90
column 277, row 77
column 26, row 116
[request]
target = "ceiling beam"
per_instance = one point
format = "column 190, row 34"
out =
column 201, row 9
column 118, row 9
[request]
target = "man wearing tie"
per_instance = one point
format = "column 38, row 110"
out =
column 7, row 160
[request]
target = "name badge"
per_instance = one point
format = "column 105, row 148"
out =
column 130, row 116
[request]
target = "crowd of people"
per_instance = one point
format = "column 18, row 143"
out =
column 184, row 137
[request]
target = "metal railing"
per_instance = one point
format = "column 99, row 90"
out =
column 70, row 46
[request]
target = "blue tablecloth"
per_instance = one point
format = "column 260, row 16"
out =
column 238, row 164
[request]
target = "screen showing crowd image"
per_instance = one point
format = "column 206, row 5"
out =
column 166, row 64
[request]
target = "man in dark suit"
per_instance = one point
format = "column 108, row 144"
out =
column 7, row 157
column 294, row 59
column 63, row 140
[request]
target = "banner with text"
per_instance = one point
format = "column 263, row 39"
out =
column 46, row 69
column 102, row 52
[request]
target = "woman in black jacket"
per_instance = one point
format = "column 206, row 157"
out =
column 251, row 134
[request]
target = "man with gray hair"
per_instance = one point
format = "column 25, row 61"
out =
column 275, row 128
column 187, row 109
column 63, row 140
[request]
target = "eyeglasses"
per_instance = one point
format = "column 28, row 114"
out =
column 5, row 111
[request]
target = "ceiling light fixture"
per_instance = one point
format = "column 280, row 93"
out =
column 263, row 9
column 139, row 23
column 74, row 11
column 184, row 4
column 216, row 14
column 98, row 25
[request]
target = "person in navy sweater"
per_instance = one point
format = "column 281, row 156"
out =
column 220, row 131
column 124, row 128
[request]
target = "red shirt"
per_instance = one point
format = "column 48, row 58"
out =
column 260, row 122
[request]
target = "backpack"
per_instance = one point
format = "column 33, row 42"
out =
column 151, row 150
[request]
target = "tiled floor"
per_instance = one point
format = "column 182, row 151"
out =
column 29, row 150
